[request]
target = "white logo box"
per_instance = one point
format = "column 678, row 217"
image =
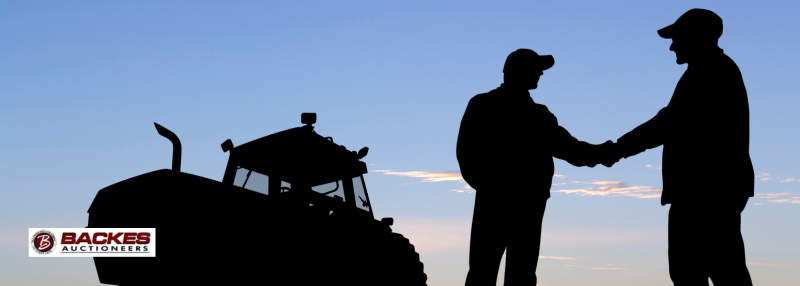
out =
column 102, row 242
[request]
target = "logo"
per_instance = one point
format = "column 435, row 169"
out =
column 43, row 242
column 92, row 242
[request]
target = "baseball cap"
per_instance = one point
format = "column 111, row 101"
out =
column 696, row 23
column 526, row 60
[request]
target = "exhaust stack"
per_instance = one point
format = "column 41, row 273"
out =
column 176, row 146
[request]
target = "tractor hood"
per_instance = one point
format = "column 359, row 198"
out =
column 299, row 155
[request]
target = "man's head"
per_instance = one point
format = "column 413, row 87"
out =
column 694, row 33
column 524, row 67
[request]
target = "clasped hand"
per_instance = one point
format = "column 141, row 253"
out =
column 606, row 154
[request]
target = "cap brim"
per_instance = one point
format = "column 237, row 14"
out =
column 546, row 62
column 667, row 32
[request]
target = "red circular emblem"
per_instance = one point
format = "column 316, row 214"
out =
column 43, row 241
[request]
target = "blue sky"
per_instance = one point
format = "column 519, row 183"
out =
column 82, row 82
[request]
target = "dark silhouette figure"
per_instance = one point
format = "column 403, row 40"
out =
column 707, row 172
column 506, row 146
column 292, row 209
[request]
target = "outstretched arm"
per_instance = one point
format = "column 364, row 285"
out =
column 646, row 136
column 576, row 152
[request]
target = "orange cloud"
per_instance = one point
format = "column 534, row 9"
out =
column 764, row 264
column 778, row 198
column 764, row 176
column 785, row 201
column 771, row 195
column 620, row 190
column 596, row 182
column 426, row 176
column 787, row 180
column 434, row 177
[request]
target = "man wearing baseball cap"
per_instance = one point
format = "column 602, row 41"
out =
column 707, row 172
column 506, row 146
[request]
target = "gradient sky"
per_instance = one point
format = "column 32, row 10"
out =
column 81, row 84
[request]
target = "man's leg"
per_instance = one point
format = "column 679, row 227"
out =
column 487, row 239
column 686, row 246
column 730, row 268
column 525, row 235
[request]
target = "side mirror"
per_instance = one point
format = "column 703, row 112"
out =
column 387, row 221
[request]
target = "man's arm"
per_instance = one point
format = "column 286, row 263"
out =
column 576, row 152
column 470, row 148
column 649, row 135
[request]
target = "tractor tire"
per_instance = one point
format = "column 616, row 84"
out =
column 399, row 263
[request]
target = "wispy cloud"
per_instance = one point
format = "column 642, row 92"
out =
column 609, row 188
column 786, row 201
column 619, row 190
column 605, row 182
column 431, row 177
column 651, row 166
column 596, row 182
column 765, row 264
column 772, row 195
column 778, row 198
column 762, row 176
column 426, row 176
column 468, row 191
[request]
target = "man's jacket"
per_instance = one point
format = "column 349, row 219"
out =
column 705, row 130
column 507, row 142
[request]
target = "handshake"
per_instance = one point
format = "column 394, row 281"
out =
column 606, row 154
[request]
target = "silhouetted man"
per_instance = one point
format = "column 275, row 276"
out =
column 506, row 146
column 707, row 172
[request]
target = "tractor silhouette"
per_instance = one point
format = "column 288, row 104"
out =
column 292, row 209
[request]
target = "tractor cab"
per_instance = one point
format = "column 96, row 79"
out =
column 288, row 191
column 298, row 162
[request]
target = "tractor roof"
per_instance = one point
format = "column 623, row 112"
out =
column 299, row 155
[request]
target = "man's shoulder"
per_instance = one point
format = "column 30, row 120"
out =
column 486, row 96
column 484, row 100
column 720, row 64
